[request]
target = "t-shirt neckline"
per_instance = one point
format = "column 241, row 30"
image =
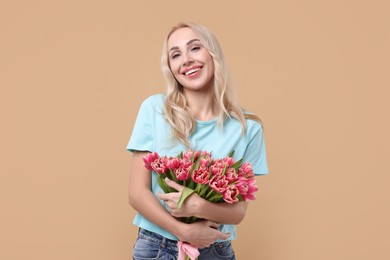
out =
column 207, row 122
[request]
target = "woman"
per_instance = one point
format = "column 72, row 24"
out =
column 198, row 112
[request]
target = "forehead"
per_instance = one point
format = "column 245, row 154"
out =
column 181, row 37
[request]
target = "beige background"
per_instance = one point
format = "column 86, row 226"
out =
column 73, row 74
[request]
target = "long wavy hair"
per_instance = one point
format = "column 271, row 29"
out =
column 177, row 111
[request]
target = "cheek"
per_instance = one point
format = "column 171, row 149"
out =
column 212, row 68
column 209, row 61
column 174, row 68
column 175, row 72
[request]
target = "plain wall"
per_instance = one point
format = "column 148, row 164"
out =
column 72, row 77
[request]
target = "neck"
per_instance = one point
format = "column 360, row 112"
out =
column 202, row 104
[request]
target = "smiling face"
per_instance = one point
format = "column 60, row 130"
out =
column 190, row 62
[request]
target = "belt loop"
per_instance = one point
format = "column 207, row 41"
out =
column 163, row 242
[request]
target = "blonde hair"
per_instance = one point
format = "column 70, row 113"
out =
column 177, row 111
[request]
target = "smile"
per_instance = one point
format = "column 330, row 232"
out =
column 192, row 71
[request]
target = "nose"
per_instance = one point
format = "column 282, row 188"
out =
column 187, row 59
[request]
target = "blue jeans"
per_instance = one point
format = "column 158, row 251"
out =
column 150, row 245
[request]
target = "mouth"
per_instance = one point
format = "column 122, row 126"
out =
column 193, row 71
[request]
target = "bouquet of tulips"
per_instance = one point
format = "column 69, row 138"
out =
column 215, row 180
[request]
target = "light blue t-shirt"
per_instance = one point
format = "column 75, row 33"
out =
column 153, row 133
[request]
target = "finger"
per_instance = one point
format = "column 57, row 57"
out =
column 213, row 225
column 174, row 185
column 162, row 196
column 224, row 236
column 174, row 214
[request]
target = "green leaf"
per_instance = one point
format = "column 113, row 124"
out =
column 172, row 175
column 195, row 166
column 161, row 182
column 210, row 163
column 184, row 195
column 224, row 169
column 231, row 154
column 237, row 164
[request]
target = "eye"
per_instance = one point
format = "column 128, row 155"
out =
column 195, row 48
column 175, row 55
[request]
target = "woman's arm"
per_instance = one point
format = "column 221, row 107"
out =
column 194, row 205
column 222, row 212
column 200, row 234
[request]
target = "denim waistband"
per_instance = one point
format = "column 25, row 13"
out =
column 154, row 237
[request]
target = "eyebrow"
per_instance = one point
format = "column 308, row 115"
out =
column 188, row 43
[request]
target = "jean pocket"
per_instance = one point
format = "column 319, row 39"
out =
column 224, row 250
column 146, row 249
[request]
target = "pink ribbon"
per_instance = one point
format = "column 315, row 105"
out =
column 187, row 249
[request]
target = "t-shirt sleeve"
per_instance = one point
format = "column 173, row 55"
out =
column 255, row 152
column 142, row 136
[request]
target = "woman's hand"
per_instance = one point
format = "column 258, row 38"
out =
column 202, row 233
column 189, row 208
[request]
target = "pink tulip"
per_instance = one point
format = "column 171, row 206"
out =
column 247, row 188
column 149, row 158
column 205, row 154
column 201, row 175
column 204, row 162
column 230, row 194
column 246, row 170
column 182, row 173
column 216, row 171
column 219, row 163
column 217, row 167
column 219, row 183
column 173, row 163
column 188, row 155
column 185, row 163
column 231, row 175
column 159, row 165
column 229, row 161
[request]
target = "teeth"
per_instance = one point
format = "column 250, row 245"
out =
column 192, row 71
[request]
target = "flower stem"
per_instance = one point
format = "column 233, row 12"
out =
column 210, row 193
